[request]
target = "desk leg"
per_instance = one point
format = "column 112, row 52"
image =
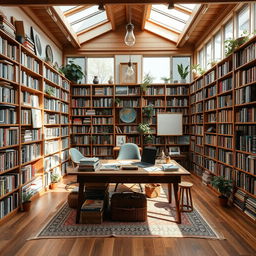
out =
column 170, row 193
column 178, row 215
column 80, row 201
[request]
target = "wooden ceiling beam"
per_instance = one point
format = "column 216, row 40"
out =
column 93, row 2
column 76, row 10
column 110, row 16
column 146, row 14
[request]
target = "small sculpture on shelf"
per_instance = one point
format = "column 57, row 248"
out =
column 95, row 80
column 110, row 80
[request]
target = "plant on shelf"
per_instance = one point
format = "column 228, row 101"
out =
column 117, row 101
column 148, row 111
column 144, row 128
column 213, row 63
column 183, row 72
column 73, row 72
column 232, row 44
column 49, row 91
column 55, row 178
column 26, row 200
column 166, row 79
column 148, row 139
column 224, row 186
column 197, row 70
column 148, row 79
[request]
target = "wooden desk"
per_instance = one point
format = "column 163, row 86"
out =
column 132, row 176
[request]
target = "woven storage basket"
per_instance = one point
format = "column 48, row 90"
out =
column 129, row 207
column 152, row 190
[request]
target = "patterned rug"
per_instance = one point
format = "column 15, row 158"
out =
column 159, row 224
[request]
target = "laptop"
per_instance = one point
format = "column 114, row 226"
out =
column 148, row 158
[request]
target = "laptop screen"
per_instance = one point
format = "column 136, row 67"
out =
column 149, row 155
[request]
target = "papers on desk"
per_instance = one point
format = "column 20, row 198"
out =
column 125, row 162
column 169, row 167
column 109, row 167
column 152, row 169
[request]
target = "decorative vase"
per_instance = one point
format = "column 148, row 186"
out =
column 95, row 80
column 53, row 185
column 182, row 81
column 110, row 81
column 26, row 206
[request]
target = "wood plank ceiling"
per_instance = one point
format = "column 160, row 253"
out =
column 119, row 15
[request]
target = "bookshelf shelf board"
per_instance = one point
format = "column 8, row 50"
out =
column 79, row 145
column 8, row 125
column 82, row 133
column 176, row 95
column 2, row 56
column 210, row 110
column 209, row 123
column 6, row 104
column 249, row 173
column 52, row 111
column 30, row 142
column 225, row 135
column 245, row 152
column 52, row 83
column 9, row 170
column 10, row 146
column 226, row 92
column 214, row 174
column 245, row 123
column 199, row 165
column 31, row 72
column 52, row 138
column 211, row 158
column 64, row 136
column 102, row 124
column 31, row 90
column 245, row 85
column 229, row 165
column 250, row 194
column 103, row 145
column 198, row 145
column 31, row 161
column 229, row 149
column 9, row 81
column 153, row 96
column 127, row 96
column 102, row 96
column 29, row 181
column 223, row 108
column 52, row 153
column 128, row 107
column 30, row 107
column 81, row 96
column 246, row 65
column 53, row 97
column 9, row 193
column 224, row 122
column 64, row 113
column 229, row 74
column 245, row 104
column 81, row 107
column 174, row 107
column 210, row 84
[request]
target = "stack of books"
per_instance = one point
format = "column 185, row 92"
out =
column 29, row 44
column 92, row 211
column 90, row 112
column 170, row 167
column 6, row 26
column 89, row 164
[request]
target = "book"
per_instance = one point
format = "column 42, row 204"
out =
column 92, row 205
column 36, row 118
column 170, row 167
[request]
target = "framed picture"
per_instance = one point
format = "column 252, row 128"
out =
column 120, row 140
column 174, row 151
column 124, row 78
column 37, row 41
column 121, row 90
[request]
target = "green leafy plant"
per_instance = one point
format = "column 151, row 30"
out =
column 55, row 177
column 49, row 91
column 197, row 69
column 148, row 79
column 117, row 101
column 26, row 196
column 166, row 79
column 224, row 186
column 148, row 110
column 183, row 71
column 148, row 139
column 144, row 128
column 73, row 72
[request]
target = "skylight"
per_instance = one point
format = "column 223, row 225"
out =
column 173, row 19
column 82, row 18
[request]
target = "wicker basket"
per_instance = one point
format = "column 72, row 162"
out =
column 153, row 190
column 129, row 207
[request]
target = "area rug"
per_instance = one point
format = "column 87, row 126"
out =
column 160, row 223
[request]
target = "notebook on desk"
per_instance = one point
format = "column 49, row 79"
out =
column 148, row 158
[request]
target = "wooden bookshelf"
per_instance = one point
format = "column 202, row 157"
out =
column 22, row 90
column 103, row 124
column 228, row 144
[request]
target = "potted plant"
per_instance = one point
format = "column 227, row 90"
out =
column 224, row 187
column 73, row 72
column 148, row 111
column 26, row 202
column 183, row 72
column 49, row 91
column 144, row 128
column 197, row 70
column 55, row 178
column 148, row 79
column 148, row 139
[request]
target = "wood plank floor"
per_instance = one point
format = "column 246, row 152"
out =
column 239, row 231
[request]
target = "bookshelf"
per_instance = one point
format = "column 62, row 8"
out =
column 96, row 116
column 223, row 127
column 23, row 163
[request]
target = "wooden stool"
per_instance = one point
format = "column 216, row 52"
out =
column 184, row 187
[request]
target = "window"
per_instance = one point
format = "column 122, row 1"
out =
column 254, row 17
column 185, row 61
column 201, row 58
column 208, row 56
column 81, row 62
column 217, row 47
column 228, row 30
column 101, row 67
column 243, row 21
column 157, row 67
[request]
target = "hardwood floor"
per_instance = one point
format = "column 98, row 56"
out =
column 239, row 231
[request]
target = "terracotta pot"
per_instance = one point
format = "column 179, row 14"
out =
column 26, row 206
column 53, row 185
column 223, row 201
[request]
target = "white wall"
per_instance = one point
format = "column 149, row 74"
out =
column 125, row 59
column 18, row 14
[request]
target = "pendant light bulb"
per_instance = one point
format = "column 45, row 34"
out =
column 129, row 37
column 129, row 71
